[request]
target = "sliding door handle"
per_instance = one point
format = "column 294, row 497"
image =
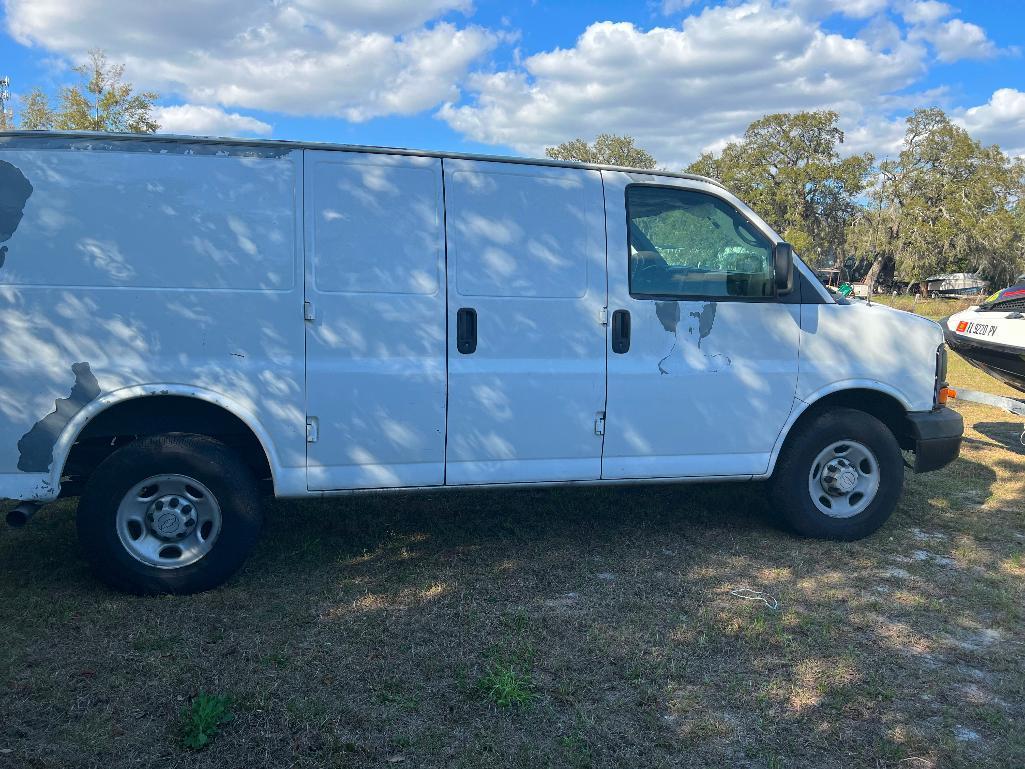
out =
column 466, row 330
column 621, row 331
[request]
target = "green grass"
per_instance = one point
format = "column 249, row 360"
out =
column 930, row 308
column 200, row 721
column 506, row 687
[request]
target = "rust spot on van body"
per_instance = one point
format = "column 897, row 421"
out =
column 36, row 446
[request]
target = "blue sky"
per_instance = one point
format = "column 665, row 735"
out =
column 682, row 76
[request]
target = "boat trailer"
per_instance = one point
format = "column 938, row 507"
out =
column 1009, row 405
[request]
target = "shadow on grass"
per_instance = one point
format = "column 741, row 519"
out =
column 360, row 629
column 1007, row 435
column 306, row 534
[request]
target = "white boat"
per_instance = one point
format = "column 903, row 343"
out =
column 992, row 335
column 955, row 285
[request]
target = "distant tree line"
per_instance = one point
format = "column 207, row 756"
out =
column 947, row 203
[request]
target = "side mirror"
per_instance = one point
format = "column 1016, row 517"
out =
column 783, row 266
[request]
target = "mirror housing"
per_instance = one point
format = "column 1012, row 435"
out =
column 783, row 267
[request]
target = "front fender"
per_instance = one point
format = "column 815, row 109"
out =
column 801, row 407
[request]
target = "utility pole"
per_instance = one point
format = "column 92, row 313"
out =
column 6, row 115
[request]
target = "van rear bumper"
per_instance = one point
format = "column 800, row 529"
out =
column 936, row 436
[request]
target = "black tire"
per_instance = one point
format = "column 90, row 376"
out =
column 217, row 467
column 790, row 482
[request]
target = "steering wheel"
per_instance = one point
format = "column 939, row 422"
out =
column 744, row 235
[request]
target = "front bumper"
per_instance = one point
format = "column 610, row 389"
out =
column 936, row 436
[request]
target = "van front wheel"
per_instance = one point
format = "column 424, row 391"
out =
column 175, row 513
column 840, row 476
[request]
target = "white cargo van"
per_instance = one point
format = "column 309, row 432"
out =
column 187, row 322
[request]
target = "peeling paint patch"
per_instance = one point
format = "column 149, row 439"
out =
column 668, row 315
column 36, row 446
column 15, row 190
column 684, row 340
column 706, row 319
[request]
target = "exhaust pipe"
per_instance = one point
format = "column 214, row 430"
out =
column 20, row 515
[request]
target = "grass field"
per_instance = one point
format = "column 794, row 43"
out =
column 566, row 628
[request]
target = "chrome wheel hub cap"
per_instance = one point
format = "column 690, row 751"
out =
column 844, row 479
column 840, row 477
column 170, row 518
column 168, row 521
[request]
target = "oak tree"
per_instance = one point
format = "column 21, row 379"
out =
column 946, row 204
column 788, row 168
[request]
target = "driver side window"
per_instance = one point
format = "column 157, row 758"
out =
column 686, row 244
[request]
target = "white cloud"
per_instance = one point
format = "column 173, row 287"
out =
column 953, row 39
column 1001, row 120
column 881, row 34
column 318, row 57
column 680, row 91
column 200, row 120
column 956, row 39
column 162, row 26
column 925, row 11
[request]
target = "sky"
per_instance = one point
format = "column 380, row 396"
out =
column 681, row 76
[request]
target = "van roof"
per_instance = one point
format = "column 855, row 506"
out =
column 282, row 146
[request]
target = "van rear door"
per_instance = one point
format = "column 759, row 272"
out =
column 375, row 329
column 526, row 288
column 705, row 378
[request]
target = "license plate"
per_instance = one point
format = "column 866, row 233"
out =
column 976, row 329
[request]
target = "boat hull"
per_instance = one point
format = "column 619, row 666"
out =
column 991, row 341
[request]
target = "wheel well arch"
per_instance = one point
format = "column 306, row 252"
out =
column 883, row 406
column 128, row 419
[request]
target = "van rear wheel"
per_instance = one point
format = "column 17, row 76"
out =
column 175, row 513
column 840, row 476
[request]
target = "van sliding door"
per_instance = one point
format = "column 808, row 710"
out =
column 526, row 288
